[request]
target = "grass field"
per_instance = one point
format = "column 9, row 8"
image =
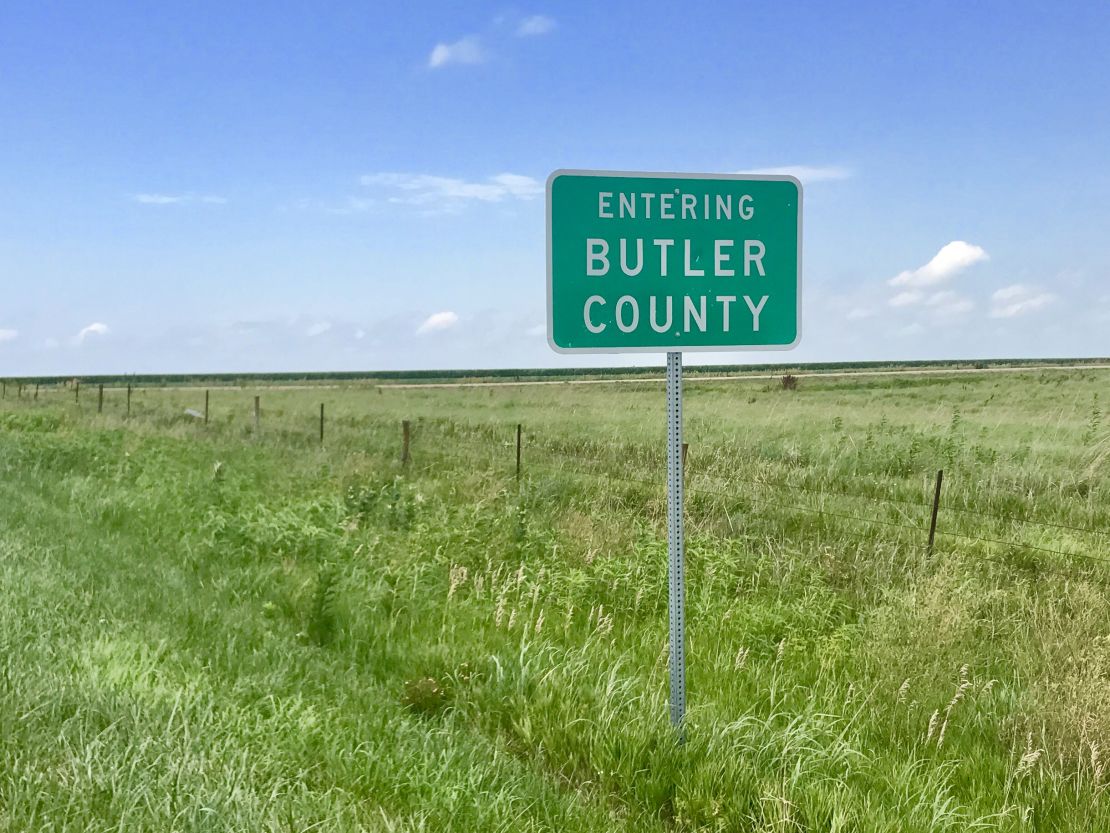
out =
column 206, row 629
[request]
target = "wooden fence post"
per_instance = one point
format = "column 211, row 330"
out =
column 685, row 448
column 100, row 400
column 936, row 508
column 206, row 407
column 321, row 423
column 519, row 433
column 129, row 400
column 36, row 391
column 257, row 415
column 405, row 432
column 77, row 392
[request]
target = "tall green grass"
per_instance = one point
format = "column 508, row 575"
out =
column 202, row 628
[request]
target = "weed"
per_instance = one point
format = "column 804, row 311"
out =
column 322, row 621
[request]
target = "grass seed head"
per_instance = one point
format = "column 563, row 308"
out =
column 903, row 690
column 741, row 659
column 458, row 579
column 933, row 718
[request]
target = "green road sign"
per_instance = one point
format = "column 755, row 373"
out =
column 640, row 262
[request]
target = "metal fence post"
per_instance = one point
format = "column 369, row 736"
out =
column 936, row 508
column 519, row 431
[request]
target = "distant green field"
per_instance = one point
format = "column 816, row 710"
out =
column 205, row 628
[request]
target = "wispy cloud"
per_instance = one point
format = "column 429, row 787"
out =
column 943, row 304
column 948, row 304
column 859, row 313
column 8, row 335
column 905, row 299
column 438, row 321
column 468, row 50
column 97, row 329
column 342, row 207
column 318, row 329
column 806, row 174
column 537, row 24
column 1017, row 299
column 441, row 193
column 952, row 259
column 178, row 199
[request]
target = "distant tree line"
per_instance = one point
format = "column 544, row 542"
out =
column 518, row 374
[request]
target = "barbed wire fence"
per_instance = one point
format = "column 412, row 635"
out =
column 507, row 446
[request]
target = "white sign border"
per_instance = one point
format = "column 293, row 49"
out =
column 681, row 348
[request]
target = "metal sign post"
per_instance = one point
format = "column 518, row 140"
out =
column 676, row 539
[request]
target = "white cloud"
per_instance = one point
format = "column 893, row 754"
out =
column 942, row 297
column 916, row 328
column 859, row 313
column 537, row 24
column 178, row 199
column 941, row 305
column 537, row 330
column 952, row 259
column 360, row 335
column 318, row 329
column 353, row 205
column 438, row 321
column 1008, row 293
column 8, row 335
column 157, row 199
column 957, row 307
column 467, row 50
column 519, row 186
column 905, row 299
column 805, row 173
column 949, row 305
column 1017, row 300
column 94, row 329
column 346, row 207
column 441, row 193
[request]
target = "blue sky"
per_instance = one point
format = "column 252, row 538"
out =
column 298, row 186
